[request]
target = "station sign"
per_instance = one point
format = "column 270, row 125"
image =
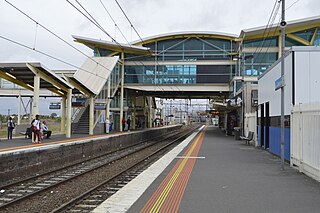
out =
column 279, row 83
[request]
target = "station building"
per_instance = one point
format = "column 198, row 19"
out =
column 186, row 65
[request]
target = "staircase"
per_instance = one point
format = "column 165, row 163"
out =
column 83, row 125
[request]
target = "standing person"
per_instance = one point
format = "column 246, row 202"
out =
column 36, row 129
column 129, row 122
column 11, row 126
column 107, row 125
column 123, row 123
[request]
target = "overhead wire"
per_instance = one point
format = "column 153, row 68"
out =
column 276, row 27
column 105, row 8
column 54, row 34
column 96, row 23
column 46, row 54
column 267, row 27
column 266, row 34
column 142, row 41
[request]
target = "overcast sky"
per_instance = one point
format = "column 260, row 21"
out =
column 150, row 17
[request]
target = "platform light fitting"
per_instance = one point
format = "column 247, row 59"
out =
column 56, row 87
column 8, row 74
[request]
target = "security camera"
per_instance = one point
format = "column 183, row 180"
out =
column 283, row 24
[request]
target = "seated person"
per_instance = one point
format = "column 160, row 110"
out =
column 45, row 130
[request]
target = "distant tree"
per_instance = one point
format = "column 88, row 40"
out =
column 53, row 115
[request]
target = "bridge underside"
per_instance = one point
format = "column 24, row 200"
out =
column 217, row 91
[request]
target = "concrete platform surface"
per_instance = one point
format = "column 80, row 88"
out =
column 226, row 176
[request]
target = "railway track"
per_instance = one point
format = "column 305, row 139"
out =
column 48, row 186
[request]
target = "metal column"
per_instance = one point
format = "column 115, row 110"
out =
column 108, row 100
column 68, row 124
column 149, row 112
column 283, row 43
column 19, row 109
column 134, row 112
column 121, row 91
column 91, row 115
column 36, row 88
column 63, row 115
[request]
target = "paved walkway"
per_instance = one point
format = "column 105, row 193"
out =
column 230, row 176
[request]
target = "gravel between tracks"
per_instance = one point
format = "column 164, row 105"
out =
column 47, row 201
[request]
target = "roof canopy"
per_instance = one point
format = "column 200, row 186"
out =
column 117, row 47
column 93, row 74
column 23, row 73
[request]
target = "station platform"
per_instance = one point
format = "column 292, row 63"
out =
column 21, row 142
column 211, row 172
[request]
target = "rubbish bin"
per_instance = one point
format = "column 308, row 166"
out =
column 237, row 133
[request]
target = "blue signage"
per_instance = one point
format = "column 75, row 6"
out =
column 279, row 83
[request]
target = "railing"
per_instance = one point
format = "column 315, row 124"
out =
column 77, row 113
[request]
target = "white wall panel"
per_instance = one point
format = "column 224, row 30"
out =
column 302, row 77
column 266, row 88
column 94, row 73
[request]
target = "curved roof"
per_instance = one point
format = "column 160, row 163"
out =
column 292, row 26
column 186, row 34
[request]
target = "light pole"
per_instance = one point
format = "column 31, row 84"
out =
column 283, row 31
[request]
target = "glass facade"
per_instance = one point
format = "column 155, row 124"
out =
column 177, row 74
column 268, row 42
column 191, row 49
column 317, row 38
column 258, row 64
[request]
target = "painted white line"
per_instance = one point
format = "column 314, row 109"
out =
column 190, row 157
column 129, row 194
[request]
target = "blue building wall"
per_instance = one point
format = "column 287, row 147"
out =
column 275, row 141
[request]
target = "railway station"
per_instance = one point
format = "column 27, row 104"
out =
column 131, row 139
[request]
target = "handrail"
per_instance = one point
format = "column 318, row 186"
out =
column 78, row 112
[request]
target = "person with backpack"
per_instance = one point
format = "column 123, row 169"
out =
column 36, row 129
column 11, row 126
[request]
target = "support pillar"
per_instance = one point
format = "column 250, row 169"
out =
column 108, row 101
column 91, row 115
column 149, row 112
column 121, row 91
column 30, row 108
column 63, row 115
column 19, row 109
column 69, row 105
column 134, row 112
column 36, row 90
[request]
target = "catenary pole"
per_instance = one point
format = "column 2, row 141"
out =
column 282, row 76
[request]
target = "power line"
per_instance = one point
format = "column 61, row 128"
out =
column 132, row 26
column 95, row 22
column 60, row 38
column 116, row 25
column 124, row 13
column 267, row 28
column 48, row 55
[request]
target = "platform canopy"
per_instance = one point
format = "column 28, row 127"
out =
column 94, row 72
column 22, row 74
column 116, row 47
